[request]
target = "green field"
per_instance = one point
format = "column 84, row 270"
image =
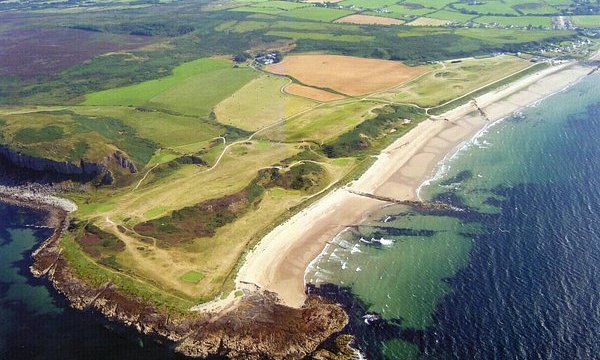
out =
column 317, row 14
column 589, row 21
column 451, row 15
column 192, row 276
column 322, row 124
column 168, row 130
column 510, row 36
column 493, row 7
column 283, row 5
column 320, row 36
column 190, row 90
column 543, row 21
column 371, row 4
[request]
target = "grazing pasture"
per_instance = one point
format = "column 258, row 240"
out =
column 314, row 13
column 588, row 21
column 371, row 4
column 345, row 74
column 543, row 21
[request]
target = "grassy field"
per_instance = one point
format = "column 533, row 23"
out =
column 372, row 4
column 591, row 21
column 487, row 8
column 508, row 36
column 544, row 21
column 260, row 103
column 319, row 36
column 168, row 130
column 317, row 14
column 323, row 123
column 190, row 90
column 452, row 16
column 454, row 79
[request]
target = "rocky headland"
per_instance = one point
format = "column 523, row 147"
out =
column 255, row 327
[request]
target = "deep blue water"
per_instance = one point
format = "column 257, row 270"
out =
column 36, row 323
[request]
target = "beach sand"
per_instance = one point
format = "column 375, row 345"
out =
column 278, row 263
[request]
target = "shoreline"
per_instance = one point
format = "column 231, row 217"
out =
column 279, row 261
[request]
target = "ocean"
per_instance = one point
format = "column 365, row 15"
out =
column 36, row 323
column 511, row 270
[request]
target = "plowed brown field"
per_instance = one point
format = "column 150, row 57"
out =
column 348, row 75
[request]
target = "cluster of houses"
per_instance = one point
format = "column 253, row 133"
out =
column 268, row 58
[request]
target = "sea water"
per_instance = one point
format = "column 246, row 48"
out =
column 510, row 270
column 36, row 323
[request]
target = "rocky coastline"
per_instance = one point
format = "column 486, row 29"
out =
column 254, row 327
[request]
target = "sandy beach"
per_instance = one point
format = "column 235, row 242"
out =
column 279, row 261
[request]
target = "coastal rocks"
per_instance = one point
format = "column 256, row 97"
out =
column 259, row 328
column 256, row 327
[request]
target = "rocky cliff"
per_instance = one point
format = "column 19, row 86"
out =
column 256, row 327
column 88, row 169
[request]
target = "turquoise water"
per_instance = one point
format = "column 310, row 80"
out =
column 513, row 272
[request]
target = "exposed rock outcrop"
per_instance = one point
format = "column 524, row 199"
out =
column 82, row 167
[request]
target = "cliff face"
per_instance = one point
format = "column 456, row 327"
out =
column 91, row 169
column 256, row 327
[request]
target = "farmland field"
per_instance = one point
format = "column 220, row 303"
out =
column 487, row 8
column 372, row 4
column 317, row 14
column 544, row 21
column 319, row 36
column 591, row 21
column 347, row 75
column 259, row 103
column 425, row 21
